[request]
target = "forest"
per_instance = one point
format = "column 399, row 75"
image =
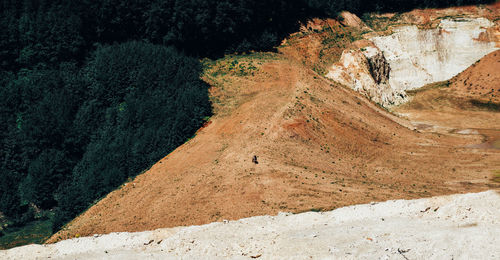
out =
column 92, row 93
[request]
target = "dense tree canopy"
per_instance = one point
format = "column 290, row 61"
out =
column 48, row 32
column 93, row 92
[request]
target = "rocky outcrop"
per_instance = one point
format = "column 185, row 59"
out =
column 351, row 20
column 367, row 71
column 379, row 67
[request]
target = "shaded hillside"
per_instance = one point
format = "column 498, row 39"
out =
column 318, row 145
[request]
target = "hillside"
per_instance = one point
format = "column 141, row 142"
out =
column 319, row 146
column 481, row 81
column 300, row 130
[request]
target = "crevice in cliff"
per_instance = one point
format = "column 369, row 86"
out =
column 379, row 68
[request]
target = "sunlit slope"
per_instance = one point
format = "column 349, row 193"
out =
column 319, row 145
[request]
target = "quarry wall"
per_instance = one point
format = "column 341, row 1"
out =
column 410, row 58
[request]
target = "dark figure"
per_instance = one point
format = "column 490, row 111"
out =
column 254, row 159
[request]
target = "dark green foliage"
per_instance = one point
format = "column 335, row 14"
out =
column 148, row 100
column 48, row 36
column 43, row 172
column 34, row 232
column 37, row 109
column 83, row 132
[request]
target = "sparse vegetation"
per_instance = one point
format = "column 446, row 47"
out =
column 33, row 232
column 496, row 176
column 491, row 106
column 437, row 85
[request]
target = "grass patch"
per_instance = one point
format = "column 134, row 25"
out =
column 311, row 210
column 496, row 176
column 236, row 65
column 380, row 23
column 452, row 17
column 437, row 85
column 35, row 232
column 490, row 106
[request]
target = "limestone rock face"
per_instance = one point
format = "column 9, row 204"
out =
column 367, row 71
column 418, row 57
column 410, row 58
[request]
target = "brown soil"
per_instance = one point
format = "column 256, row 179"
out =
column 481, row 81
column 320, row 43
column 319, row 145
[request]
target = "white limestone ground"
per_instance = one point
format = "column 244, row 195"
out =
column 450, row 227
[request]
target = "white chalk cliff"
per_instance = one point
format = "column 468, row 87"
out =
column 415, row 57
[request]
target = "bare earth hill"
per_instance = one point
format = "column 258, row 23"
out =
column 481, row 81
column 318, row 145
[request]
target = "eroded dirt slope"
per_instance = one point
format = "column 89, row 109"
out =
column 319, row 145
column 481, row 81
